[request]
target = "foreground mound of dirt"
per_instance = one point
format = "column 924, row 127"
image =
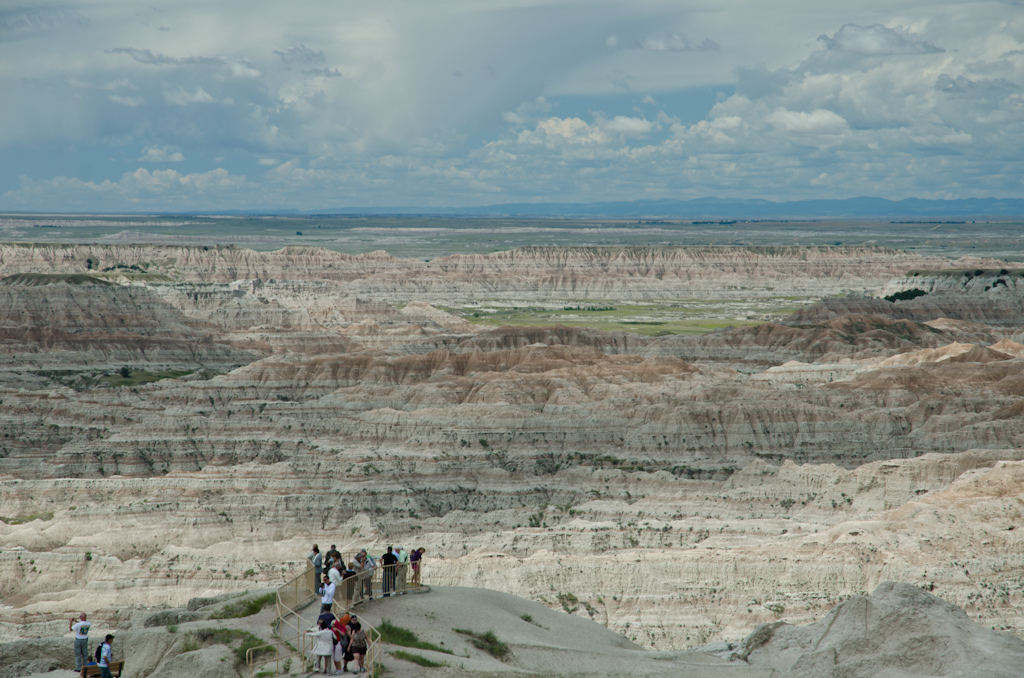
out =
column 900, row 630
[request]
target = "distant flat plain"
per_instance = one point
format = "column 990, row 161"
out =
column 425, row 237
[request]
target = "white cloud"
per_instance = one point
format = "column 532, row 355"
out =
column 38, row 19
column 179, row 96
column 567, row 128
column 300, row 54
column 123, row 83
column 677, row 42
column 130, row 102
column 622, row 124
column 875, row 106
column 163, row 181
column 160, row 154
column 527, row 111
column 234, row 66
column 270, row 162
column 159, row 189
column 876, row 40
column 669, row 42
column 818, row 121
column 112, row 86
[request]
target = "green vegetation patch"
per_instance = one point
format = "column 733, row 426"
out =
column 906, row 295
column 396, row 635
column 964, row 272
column 417, row 659
column 488, row 642
column 245, row 608
column 130, row 377
column 21, row 520
column 658, row 318
column 246, row 641
column 612, row 321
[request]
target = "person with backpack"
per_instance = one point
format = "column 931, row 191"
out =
column 81, row 629
column 340, row 629
column 104, row 656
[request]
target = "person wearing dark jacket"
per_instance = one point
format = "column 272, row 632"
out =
column 390, row 561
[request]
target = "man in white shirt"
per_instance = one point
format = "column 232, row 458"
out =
column 334, row 574
column 328, row 597
column 81, row 629
column 106, row 656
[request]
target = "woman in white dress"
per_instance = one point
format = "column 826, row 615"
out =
column 323, row 650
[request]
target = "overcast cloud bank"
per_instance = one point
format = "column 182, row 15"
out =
column 334, row 104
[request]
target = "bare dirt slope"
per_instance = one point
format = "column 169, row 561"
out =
column 900, row 630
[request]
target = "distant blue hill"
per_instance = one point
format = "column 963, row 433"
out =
column 706, row 208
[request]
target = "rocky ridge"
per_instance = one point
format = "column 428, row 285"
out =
column 527, row 274
column 756, row 473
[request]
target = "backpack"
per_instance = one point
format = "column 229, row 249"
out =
column 99, row 652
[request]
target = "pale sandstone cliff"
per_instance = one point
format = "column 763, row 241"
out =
column 689, row 487
column 669, row 562
column 528, row 274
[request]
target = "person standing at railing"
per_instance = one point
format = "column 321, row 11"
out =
column 334, row 572
column 349, row 585
column 333, row 557
column 366, row 565
column 402, row 567
column 323, row 651
column 327, row 599
column 390, row 562
column 415, row 559
column 318, row 565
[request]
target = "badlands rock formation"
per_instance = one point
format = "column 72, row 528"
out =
column 994, row 296
column 679, row 490
column 526, row 274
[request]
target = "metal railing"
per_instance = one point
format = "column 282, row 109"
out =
column 381, row 581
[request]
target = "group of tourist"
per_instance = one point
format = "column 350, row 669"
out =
column 344, row 640
column 339, row 640
column 103, row 657
column 331, row 572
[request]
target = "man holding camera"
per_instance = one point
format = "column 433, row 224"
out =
column 81, row 629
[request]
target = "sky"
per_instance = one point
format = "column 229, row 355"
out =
column 116, row 106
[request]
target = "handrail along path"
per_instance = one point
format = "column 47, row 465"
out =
column 297, row 593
